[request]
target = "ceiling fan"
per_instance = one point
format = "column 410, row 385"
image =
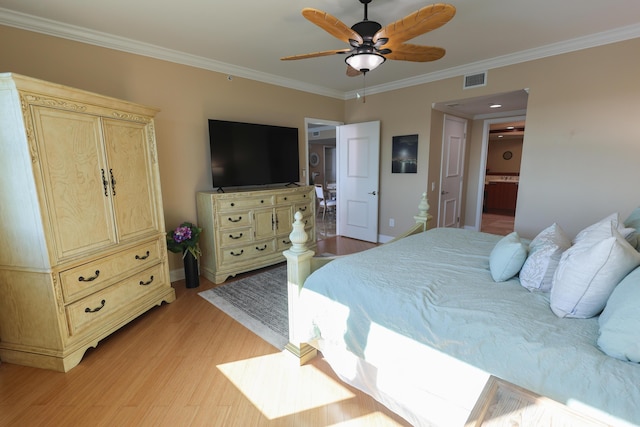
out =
column 371, row 44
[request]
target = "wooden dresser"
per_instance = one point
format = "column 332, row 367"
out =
column 81, row 223
column 246, row 230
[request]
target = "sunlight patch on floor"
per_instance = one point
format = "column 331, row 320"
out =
column 278, row 388
column 375, row 419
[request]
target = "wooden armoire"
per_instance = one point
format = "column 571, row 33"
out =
column 82, row 237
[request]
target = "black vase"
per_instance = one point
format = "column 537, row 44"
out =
column 191, row 276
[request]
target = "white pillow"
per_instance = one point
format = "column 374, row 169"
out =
column 596, row 232
column 507, row 257
column 545, row 251
column 586, row 275
column 620, row 320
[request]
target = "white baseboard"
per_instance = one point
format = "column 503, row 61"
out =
column 384, row 239
column 177, row 274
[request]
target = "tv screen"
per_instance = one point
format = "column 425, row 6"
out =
column 247, row 154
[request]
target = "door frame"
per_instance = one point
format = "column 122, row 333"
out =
column 308, row 121
column 483, row 160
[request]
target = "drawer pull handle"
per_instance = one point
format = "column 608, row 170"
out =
column 231, row 236
column 235, row 220
column 105, row 183
column 90, row 279
column 237, row 254
column 113, row 182
column 232, row 204
column 262, row 248
column 286, row 242
column 143, row 256
column 303, row 209
column 146, row 283
column 95, row 310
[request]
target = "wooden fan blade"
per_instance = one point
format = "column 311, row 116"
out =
column 315, row 54
column 415, row 53
column 352, row 72
column 331, row 25
column 422, row 21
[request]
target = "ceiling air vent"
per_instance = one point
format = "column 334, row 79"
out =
column 475, row 80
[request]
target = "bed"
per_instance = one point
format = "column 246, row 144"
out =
column 421, row 324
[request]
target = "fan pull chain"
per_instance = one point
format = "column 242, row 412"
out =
column 364, row 87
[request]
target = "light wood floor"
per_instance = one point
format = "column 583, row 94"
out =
column 497, row 224
column 188, row 364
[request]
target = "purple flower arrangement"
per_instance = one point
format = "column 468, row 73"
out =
column 185, row 239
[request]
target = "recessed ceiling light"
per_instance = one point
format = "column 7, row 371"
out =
column 495, row 105
column 500, row 136
column 510, row 127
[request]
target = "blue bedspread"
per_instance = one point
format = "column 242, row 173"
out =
column 426, row 309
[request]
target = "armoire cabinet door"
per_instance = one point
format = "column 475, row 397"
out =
column 74, row 168
column 130, row 168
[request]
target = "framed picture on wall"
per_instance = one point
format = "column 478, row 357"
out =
column 404, row 154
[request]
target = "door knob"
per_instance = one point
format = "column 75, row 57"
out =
column 444, row 192
column 373, row 192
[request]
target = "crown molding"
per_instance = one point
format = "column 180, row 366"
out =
column 97, row 38
column 593, row 40
column 84, row 35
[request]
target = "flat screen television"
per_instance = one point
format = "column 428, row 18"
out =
column 248, row 154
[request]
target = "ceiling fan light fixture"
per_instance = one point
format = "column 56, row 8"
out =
column 365, row 62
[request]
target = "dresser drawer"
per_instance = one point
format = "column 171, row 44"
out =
column 235, row 236
column 233, row 219
column 283, row 243
column 246, row 252
column 292, row 198
column 240, row 203
column 101, row 307
column 304, row 208
column 89, row 278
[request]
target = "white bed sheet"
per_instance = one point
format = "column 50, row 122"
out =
column 420, row 325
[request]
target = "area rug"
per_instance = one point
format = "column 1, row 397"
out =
column 258, row 302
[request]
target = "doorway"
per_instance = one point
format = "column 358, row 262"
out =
column 504, row 140
column 322, row 165
column 482, row 111
column 356, row 164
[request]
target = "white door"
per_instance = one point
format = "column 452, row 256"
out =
column 358, row 180
column 452, row 171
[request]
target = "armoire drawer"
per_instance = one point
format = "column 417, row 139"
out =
column 89, row 278
column 96, row 309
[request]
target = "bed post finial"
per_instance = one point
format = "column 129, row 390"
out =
column 298, row 236
column 423, row 216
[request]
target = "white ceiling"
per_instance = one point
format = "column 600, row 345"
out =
column 247, row 38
